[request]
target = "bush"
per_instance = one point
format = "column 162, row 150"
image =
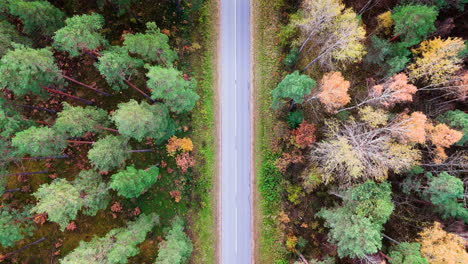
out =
column 295, row 118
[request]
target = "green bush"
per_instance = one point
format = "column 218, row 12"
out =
column 295, row 118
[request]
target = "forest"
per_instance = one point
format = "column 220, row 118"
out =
column 100, row 119
column 364, row 131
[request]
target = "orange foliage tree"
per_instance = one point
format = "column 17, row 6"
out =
column 394, row 90
column 440, row 247
column 413, row 128
column 304, row 135
column 176, row 144
column 287, row 159
column 441, row 136
column 333, row 91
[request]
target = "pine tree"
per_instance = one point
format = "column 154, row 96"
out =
column 109, row 153
column 93, row 192
column 75, row 120
column 152, row 46
column 169, row 85
column 177, row 247
column 356, row 226
column 9, row 36
column 141, row 120
column 414, row 22
column 37, row 16
column 132, row 183
column 39, row 142
column 11, row 122
column 117, row 66
column 406, row 253
column 294, row 86
column 116, row 246
column 25, row 70
column 81, row 33
column 12, row 226
column 60, row 200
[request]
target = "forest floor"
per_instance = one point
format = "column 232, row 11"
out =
column 266, row 74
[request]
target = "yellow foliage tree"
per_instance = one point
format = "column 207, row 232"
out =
column 438, row 60
column 176, row 144
column 385, row 22
column 440, row 247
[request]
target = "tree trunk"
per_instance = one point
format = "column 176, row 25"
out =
column 25, row 173
column 7, row 255
column 12, row 190
column 50, row 157
column 38, row 108
column 140, row 91
column 394, row 38
column 42, row 122
column 106, row 128
column 68, row 95
column 391, row 239
column 84, row 85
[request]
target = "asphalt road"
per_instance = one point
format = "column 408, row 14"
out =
column 235, row 133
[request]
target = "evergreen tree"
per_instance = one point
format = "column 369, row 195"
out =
column 117, row 66
column 12, row 228
column 414, row 22
column 122, row 5
column 168, row 84
column 294, row 86
column 389, row 56
column 407, row 253
column 60, row 200
column 25, row 70
column 81, row 33
column 11, row 122
column 443, row 191
column 177, row 247
column 37, row 16
column 116, row 246
column 9, row 36
column 153, row 46
column 94, row 192
column 75, row 120
column 141, row 120
column 132, row 182
column 356, row 226
column 109, row 153
column 39, row 142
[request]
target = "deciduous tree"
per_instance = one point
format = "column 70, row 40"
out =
column 333, row 91
column 109, row 153
column 184, row 161
column 152, row 46
column 141, row 120
column 442, row 137
column 169, row 85
column 459, row 120
column 440, row 247
column 175, row 145
column 37, row 16
column 133, row 182
column 75, row 120
column 39, row 142
column 177, row 247
column 81, row 33
column 294, row 86
column 116, row 246
column 304, row 135
column 438, row 60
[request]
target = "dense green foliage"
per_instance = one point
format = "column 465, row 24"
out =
column 11, row 122
column 39, row 142
column 109, row 153
column 10, row 35
column 294, row 86
column 169, row 85
column 414, row 22
column 37, row 16
column 75, row 120
column 93, row 190
column 133, row 182
column 13, row 227
column 389, row 56
column 356, row 226
column 116, row 246
column 406, row 253
column 177, row 247
column 116, row 65
column 80, row 33
column 141, row 120
column 152, row 46
column 25, row 70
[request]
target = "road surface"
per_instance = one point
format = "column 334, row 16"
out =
column 235, row 133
